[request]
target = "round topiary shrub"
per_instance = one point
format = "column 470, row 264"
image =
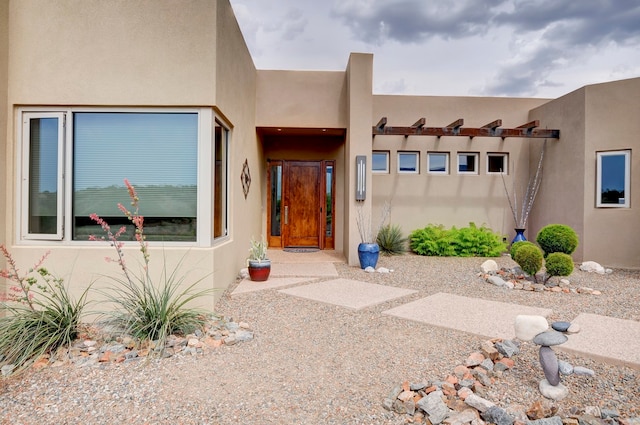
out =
column 516, row 245
column 559, row 264
column 529, row 258
column 557, row 238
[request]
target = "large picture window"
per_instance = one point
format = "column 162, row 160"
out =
column 612, row 184
column 75, row 162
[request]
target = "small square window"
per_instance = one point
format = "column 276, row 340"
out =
column 438, row 163
column 408, row 162
column 380, row 162
column 497, row 163
column 613, row 171
column 467, row 163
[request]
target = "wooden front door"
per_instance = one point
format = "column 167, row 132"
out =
column 301, row 204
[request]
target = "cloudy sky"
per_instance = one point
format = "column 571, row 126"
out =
column 525, row 48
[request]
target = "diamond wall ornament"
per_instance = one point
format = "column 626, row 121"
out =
column 245, row 178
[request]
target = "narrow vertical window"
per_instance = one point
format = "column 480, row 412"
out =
column 329, row 199
column 613, row 176
column 220, row 196
column 42, row 193
column 276, row 199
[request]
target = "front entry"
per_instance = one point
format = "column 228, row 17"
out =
column 300, row 204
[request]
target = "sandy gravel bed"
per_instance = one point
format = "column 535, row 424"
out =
column 315, row 363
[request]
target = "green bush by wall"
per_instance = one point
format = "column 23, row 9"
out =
column 471, row 241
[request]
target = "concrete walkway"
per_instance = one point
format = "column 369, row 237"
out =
column 308, row 275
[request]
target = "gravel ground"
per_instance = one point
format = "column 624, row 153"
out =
column 312, row 363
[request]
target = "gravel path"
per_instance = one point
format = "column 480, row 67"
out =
column 312, row 363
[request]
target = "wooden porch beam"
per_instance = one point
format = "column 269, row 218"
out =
column 467, row 132
column 493, row 124
column 420, row 123
column 381, row 123
column 456, row 124
column 532, row 124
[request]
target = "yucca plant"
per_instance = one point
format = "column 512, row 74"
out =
column 39, row 314
column 145, row 309
column 391, row 240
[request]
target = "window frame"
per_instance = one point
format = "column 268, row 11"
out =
column 477, row 165
column 387, row 155
column 446, row 163
column 627, row 178
column 416, row 154
column 505, row 162
column 204, row 173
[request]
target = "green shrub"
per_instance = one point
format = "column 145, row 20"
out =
column 432, row 240
column 469, row 241
column 39, row 314
column 516, row 245
column 391, row 240
column 559, row 264
column 557, row 238
column 529, row 258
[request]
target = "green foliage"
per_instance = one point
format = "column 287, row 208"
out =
column 529, row 258
column 146, row 309
column 39, row 314
column 559, row 264
column 391, row 240
column 469, row 241
column 557, row 238
column 258, row 250
column 516, row 245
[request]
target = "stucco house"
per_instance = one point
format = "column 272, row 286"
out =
column 92, row 92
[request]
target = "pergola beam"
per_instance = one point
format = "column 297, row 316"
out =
column 493, row 129
column 420, row 123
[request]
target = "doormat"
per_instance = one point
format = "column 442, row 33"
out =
column 301, row 250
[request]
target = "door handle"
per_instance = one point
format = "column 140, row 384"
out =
column 286, row 214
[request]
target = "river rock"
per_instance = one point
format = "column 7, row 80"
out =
column 434, row 407
column 497, row 415
column 579, row 370
column 496, row 280
column 592, row 267
column 560, row 326
column 528, row 326
column 549, row 363
column 489, row 266
column 508, row 348
column 550, row 338
column 565, row 368
column 554, row 392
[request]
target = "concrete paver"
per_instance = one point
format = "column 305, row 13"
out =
column 303, row 269
column 348, row 293
column 607, row 339
column 490, row 319
column 247, row 285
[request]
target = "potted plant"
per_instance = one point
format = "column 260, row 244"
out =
column 368, row 249
column 258, row 264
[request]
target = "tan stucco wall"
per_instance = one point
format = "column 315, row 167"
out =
column 145, row 53
column 420, row 199
column 315, row 99
column 4, row 65
column 359, row 112
column 594, row 118
column 561, row 197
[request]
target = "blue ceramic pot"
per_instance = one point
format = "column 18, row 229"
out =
column 519, row 236
column 368, row 254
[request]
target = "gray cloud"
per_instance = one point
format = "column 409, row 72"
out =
column 548, row 34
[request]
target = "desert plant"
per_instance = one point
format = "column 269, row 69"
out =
column 145, row 309
column 516, row 245
column 464, row 242
column 258, row 250
column 559, row 264
column 40, row 315
column 529, row 258
column 391, row 240
column 557, row 238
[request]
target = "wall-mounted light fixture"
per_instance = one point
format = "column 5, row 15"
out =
column 361, row 177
